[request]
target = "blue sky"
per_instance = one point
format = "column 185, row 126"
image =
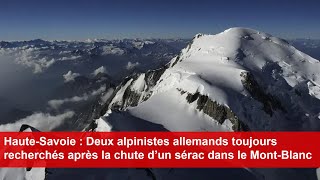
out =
column 83, row 19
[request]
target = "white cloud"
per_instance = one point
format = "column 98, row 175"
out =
column 56, row 103
column 36, row 58
column 110, row 49
column 98, row 91
column 41, row 121
column 65, row 58
column 101, row 69
column 30, row 57
column 131, row 65
column 70, row 76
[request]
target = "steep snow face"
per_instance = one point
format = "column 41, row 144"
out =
column 239, row 79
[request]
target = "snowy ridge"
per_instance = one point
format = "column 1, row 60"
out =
column 239, row 79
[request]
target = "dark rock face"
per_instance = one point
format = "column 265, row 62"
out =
column 132, row 97
column 152, row 77
column 176, row 61
column 270, row 102
column 215, row 110
column 87, row 113
column 26, row 126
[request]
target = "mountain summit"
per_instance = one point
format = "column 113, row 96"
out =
column 237, row 80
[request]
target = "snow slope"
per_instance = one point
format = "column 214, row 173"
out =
column 262, row 81
column 237, row 80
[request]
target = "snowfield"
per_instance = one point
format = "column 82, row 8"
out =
column 237, row 80
column 240, row 69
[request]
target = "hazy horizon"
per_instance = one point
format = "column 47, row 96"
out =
column 142, row 38
column 84, row 19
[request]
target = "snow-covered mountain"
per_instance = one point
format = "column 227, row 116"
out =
column 238, row 80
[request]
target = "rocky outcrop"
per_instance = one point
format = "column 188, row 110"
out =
column 217, row 111
column 131, row 96
column 270, row 102
column 176, row 60
column 152, row 77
